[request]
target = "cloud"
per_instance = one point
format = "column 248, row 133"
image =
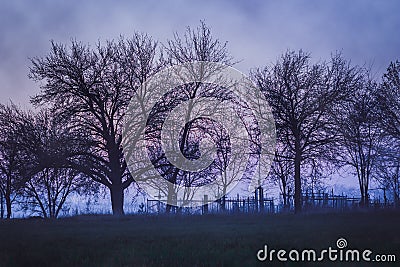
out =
column 257, row 31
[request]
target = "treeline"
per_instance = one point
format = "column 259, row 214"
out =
column 328, row 115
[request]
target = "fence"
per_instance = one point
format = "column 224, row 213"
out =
column 261, row 204
column 256, row 204
column 323, row 200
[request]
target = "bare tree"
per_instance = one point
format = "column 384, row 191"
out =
column 302, row 96
column 15, row 162
column 282, row 173
column 48, row 190
column 388, row 118
column 57, row 147
column 91, row 89
column 176, row 114
column 387, row 170
column 388, row 97
column 360, row 137
column 196, row 45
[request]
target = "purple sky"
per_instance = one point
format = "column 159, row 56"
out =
column 367, row 32
column 258, row 32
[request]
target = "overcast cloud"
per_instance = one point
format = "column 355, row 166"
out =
column 367, row 32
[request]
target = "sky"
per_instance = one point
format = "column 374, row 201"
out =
column 258, row 32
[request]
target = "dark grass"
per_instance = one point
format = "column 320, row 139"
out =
column 213, row 240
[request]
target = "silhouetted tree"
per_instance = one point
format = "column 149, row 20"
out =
column 360, row 136
column 388, row 96
column 57, row 148
column 91, row 89
column 387, row 170
column 302, row 96
column 196, row 45
column 14, row 158
column 388, row 118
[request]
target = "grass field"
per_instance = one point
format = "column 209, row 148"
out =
column 212, row 240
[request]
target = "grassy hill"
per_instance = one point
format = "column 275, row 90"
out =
column 212, row 240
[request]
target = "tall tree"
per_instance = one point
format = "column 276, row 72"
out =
column 360, row 137
column 388, row 117
column 302, row 96
column 91, row 89
column 388, row 97
column 196, row 45
column 14, row 158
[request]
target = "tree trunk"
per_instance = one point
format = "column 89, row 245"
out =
column 285, row 195
column 8, row 205
column 1, row 204
column 366, row 196
column 171, row 199
column 297, row 179
column 223, row 200
column 364, row 201
column 117, row 199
